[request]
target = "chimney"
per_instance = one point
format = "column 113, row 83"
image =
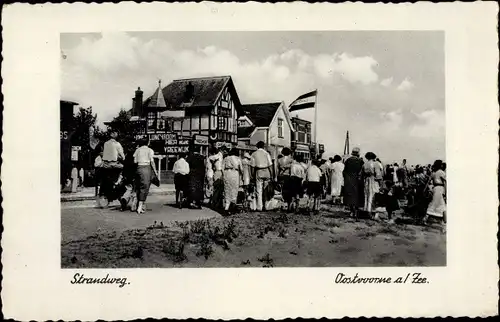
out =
column 189, row 93
column 137, row 100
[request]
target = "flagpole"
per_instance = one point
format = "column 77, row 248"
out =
column 316, row 123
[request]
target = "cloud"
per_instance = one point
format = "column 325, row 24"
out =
column 392, row 121
column 357, row 69
column 351, row 68
column 430, row 124
column 104, row 73
column 386, row 82
column 405, row 85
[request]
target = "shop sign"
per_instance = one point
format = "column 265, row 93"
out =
column 176, row 114
column 201, row 139
column 74, row 155
column 64, row 135
column 157, row 137
column 302, row 147
column 221, row 144
column 171, row 136
column 177, row 149
column 175, row 144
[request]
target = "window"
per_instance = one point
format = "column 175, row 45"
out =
column 222, row 124
column 280, row 128
column 301, row 137
column 151, row 119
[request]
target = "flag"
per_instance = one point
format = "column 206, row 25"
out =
column 307, row 100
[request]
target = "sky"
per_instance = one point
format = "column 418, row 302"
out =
column 385, row 87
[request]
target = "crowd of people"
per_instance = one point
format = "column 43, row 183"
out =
column 230, row 182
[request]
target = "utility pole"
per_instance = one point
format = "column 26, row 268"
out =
column 346, row 145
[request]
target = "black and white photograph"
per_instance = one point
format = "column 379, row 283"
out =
column 253, row 149
column 249, row 160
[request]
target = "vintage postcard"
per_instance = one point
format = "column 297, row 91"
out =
column 235, row 161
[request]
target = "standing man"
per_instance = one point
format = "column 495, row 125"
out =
column 352, row 182
column 181, row 176
column 403, row 174
column 262, row 170
column 112, row 155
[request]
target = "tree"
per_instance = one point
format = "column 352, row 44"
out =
column 126, row 130
column 82, row 122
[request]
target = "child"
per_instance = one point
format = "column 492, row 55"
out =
column 390, row 199
column 74, row 178
column 297, row 174
column 314, row 188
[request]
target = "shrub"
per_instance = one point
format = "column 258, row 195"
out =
column 267, row 260
column 205, row 249
column 174, row 250
column 199, row 226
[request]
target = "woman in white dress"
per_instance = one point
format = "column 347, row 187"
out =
column 437, row 207
column 336, row 177
column 233, row 170
column 371, row 177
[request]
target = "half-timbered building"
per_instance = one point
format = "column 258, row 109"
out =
column 200, row 110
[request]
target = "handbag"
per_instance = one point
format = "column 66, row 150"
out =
column 154, row 177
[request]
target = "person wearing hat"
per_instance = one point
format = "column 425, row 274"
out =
column 352, row 182
column 262, row 168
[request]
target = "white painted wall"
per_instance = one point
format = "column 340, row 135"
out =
column 273, row 131
column 259, row 135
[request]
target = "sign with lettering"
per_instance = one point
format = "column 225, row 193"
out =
column 171, row 136
column 157, row 137
column 175, row 144
column 74, row 155
column 64, row 135
column 177, row 149
column 201, row 139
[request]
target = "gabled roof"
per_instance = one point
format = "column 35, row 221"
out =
column 206, row 92
column 245, row 132
column 65, row 102
column 261, row 114
column 157, row 100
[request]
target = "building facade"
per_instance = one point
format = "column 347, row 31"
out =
column 188, row 114
column 301, row 141
column 266, row 122
column 66, row 110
